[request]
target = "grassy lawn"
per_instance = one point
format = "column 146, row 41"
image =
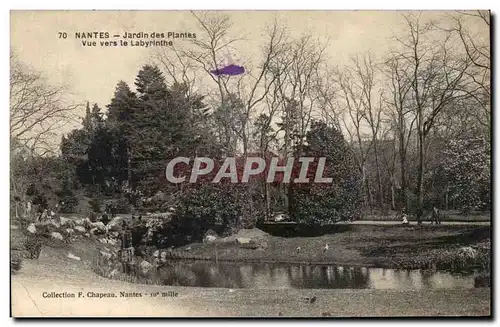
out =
column 356, row 245
column 450, row 215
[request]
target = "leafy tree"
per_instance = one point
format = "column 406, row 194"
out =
column 467, row 166
column 315, row 203
column 90, row 149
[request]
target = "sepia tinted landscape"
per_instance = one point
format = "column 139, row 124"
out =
column 393, row 108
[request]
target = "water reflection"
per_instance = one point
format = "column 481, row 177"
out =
column 276, row 276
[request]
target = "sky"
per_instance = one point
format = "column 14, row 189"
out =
column 93, row 72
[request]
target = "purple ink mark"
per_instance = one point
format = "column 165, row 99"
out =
column 229, row 70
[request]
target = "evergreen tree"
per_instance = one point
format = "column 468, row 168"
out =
column 120, row 121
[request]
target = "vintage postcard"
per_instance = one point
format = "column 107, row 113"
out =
column 250, row 163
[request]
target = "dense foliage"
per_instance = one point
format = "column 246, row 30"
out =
column 329, row 203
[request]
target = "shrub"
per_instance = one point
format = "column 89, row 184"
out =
column 121, row 205
column 320, row 204
column 95, row 205
column 207, row 206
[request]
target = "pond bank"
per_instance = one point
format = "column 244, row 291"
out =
column 55, row 271
column 411, row 247
column 38, row 277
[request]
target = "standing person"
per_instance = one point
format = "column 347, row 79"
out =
column 404, row 216
column 405, row 219
column 125, row 236
column 55, row 214
column 105, row 218
column 92, row 217
column 43, row 216
column 436, row 216
column 28, row 209
column 125, row 251
column 112, row 210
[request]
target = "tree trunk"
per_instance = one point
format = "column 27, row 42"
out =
column 393, row 198
column 402, row 161
column 420, row 188
column 267, row 199
column 367, row 187
column 379, row 180
column 129, row 167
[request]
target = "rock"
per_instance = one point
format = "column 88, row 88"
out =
column 209, row 239
column 114, row 273
column 210, row 236
column 86, row 235
column 187, row 249
column 100, row 226
column 112, row 241
column 51, row 224
column 114, row 234
column 31, row 228
column 107, row 241
column 96, row 231
column 72, row 256
column 80, row 229
column 87, row 223
column 56, row 236
column 115, row 224
column 69, row 231
column 67, row 222
column 210, row 232
column 105, row 255
column 243, row 240
column 156, row 254
column 281, row 217
column 79, row 222
column 145, row 267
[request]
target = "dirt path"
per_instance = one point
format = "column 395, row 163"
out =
column 397, row 222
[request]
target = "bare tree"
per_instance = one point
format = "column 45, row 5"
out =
column 389, row 157
column 477, row 51
column 251, row 88
column 38, row 111
column 371, row 108
column 354, row 123
column 438, row 78
column 399, row 85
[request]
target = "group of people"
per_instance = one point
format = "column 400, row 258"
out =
column 107, row 216
column 435, row 216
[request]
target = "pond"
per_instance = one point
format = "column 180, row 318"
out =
column 286, row 276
